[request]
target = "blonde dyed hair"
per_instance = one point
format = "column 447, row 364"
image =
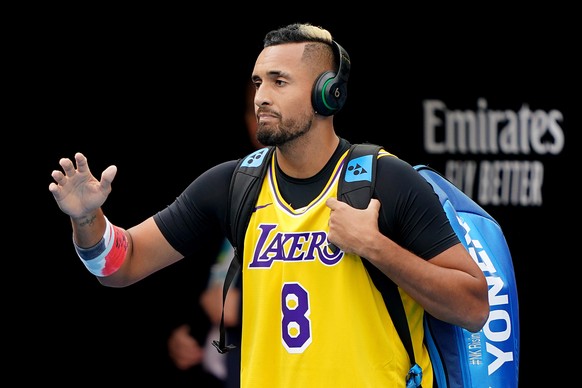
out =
column 298, row 33
column 315, row 36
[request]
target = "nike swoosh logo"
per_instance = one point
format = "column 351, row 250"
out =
column 262, row 206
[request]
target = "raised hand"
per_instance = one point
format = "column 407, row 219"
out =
column 77, row 192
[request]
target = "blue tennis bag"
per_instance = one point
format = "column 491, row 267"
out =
column 490, row 357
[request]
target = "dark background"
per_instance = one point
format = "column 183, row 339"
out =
column 161, row 96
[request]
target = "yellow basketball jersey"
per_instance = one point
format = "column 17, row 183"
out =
column 313, row 318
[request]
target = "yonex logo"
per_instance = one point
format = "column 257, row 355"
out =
column 360, row 169
column 256, row 158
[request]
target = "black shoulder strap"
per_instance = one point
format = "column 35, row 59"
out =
column 358, row 177
column 243, row 191
column 356, row 186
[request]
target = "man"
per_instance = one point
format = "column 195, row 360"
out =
column 311, row 317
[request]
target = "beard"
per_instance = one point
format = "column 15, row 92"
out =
column 284, row 132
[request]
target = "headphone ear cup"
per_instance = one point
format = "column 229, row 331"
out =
column 324, row 102
column 330, row 89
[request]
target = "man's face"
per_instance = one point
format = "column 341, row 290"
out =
column 284, row 84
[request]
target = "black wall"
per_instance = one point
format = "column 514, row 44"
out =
column 163, row 100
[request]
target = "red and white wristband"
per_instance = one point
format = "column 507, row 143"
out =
column 107, row 256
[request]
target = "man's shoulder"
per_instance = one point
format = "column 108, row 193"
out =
column 394, row 169
column 217, row 175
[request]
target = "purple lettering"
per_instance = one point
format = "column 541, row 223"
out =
column 291, row 247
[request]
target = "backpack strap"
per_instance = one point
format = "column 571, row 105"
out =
column 356, row 187
column 244, row 189
column 358, row 177
column 395, row 307
column 245, row 185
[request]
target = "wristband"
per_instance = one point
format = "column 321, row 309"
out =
column 107, row 256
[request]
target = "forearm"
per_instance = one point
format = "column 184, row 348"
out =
column 145, row 252
column 101, row 246
column 457, row 296
column 120, row 257
column 88, row 230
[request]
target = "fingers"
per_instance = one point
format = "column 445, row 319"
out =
column 374, row 205
column 59, row 177
column 82, row 165
column 332, row 203
column 107, row 177
column 53, row 187
column 184, row 349
column 67, row 166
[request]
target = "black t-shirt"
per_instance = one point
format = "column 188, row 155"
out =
column 410, row 212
